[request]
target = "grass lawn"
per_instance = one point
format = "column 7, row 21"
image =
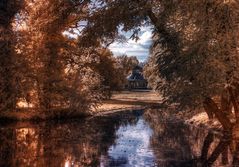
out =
column 125, row 100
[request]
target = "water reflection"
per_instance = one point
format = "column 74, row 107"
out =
column 220, row 149
column 132, row 147
column 126, row 139
column 178, row 145
column 55, row 144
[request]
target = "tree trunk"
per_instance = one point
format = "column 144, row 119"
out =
column 7, row 89
column 225, row 159
column 52, row 73
column 226, row 105
column 211, row 106
column 234, row 102
column 8, row 9
column 206, row 145
column 208, row 111
column 221, row 147
column 235, row 161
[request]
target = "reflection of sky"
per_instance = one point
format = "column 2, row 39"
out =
column 140, row 49
column 132, row 147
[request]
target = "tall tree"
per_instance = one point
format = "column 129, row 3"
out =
column 196, row 49
column 125, row 64
column 107, row 69
column 48, row 41
column 8, row 10
column 205, row 60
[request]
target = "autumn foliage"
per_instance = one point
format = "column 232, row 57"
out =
column 54, row 53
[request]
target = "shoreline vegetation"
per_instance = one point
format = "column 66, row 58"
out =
column 120, row 101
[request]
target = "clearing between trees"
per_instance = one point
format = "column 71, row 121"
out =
column 126, row 100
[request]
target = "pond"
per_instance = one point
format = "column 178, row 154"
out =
column 129, row 139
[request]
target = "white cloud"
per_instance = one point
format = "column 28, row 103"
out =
column 140, row 49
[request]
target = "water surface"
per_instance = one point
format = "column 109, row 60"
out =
column 130, row 139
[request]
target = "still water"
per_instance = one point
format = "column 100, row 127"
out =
column 131, row 139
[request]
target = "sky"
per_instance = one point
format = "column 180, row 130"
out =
column 140, row 49
column 130, row 47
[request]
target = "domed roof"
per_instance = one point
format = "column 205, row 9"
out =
column 136, row 76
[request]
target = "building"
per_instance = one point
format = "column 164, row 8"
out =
column 136, row 79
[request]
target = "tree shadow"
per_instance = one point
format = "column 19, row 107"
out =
column 126, row 102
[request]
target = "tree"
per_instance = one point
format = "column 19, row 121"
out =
column 195, row 54
column 47, row 45
column 106, row 67
column 203, row 60
column 8, row 88
column 125, row 65
column 151, row 73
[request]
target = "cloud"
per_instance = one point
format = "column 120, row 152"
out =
column 140, row 49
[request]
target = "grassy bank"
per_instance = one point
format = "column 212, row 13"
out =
column 35, row 115
column 125, row 100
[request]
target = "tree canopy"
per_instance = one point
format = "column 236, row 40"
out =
column 193, row 57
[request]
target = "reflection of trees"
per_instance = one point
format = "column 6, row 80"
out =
column 60, row 143
column 207, row 159
column 7, row 147
column 169, row 145
column 78, row 143
column 176, row 144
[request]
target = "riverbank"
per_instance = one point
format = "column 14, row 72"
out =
column 129, row 100
column 36, row 116
column 120, row 101
column 199, row 118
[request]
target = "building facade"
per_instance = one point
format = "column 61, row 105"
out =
column 136, row 79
